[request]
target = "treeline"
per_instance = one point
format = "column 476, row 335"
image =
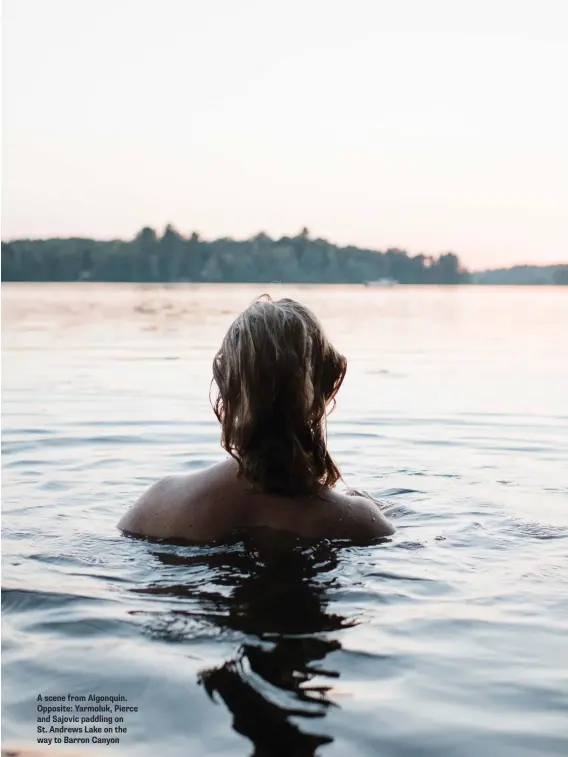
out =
column 172, row 257
column 520, row 275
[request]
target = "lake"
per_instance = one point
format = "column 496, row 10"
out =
column 449, row 639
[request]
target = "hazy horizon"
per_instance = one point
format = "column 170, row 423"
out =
column 425, row 127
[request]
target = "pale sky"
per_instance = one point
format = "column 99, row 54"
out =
column 430, row 125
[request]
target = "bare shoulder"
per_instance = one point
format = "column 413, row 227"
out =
column 360, row 516
column 194, row 506
column 214, row 502
column 157, row 502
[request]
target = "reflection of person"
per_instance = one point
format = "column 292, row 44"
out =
column 273, row 686
column 277, row 377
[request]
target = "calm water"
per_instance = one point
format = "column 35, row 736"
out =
column 451, row 639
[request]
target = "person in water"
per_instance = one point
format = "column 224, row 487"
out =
column 277, row 376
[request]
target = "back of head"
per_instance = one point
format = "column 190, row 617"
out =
column 277, row 374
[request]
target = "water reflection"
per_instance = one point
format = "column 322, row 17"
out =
column 273, row 595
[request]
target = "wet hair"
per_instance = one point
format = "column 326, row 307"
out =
column 277, row 376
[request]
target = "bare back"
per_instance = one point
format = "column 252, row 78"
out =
column 213, row 503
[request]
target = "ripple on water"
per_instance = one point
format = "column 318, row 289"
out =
column 446, row 640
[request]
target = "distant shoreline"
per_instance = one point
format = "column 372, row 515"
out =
column 172, row 258
column 357, row 285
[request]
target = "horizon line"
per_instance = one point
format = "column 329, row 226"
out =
column 210, row 240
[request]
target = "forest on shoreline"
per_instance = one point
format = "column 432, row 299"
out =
column 171, row 257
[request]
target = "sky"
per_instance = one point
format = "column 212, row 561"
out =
column 429, row 125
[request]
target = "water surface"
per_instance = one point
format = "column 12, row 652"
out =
column 449, row 639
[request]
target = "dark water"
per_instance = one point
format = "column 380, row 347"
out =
column 449, row 639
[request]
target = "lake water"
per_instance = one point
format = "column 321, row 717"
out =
column 449, row 639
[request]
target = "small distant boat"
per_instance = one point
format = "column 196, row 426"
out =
column 381, row 283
